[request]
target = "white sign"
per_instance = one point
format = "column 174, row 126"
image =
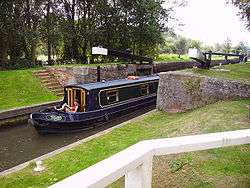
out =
column 99, row 51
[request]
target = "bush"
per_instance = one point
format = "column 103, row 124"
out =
column 20, row 63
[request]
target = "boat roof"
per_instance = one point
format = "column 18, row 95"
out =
column 113, row 83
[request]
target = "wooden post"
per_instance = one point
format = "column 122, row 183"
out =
column 209, row 59
column 98, row 73
column 226, row 58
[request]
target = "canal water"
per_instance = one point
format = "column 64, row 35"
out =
column 22, row 143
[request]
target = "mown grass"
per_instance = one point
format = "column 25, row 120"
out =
column 172, row 58
column 160, row 58
column 175, row 57
column 21, row 88
column 240, row 72
column 199, row 169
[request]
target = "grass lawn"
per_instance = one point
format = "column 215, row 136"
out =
column 240, row 72
column 210, row 168
column 175, row 57
column 172, row 58
column 160, row 58
column 21, row 88
column 220, row 57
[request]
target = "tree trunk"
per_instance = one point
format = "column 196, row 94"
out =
column 48, row 33
column 33, row 52
column 3, row 53
column 34, row 43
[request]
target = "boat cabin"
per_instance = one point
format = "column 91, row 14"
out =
column 94, row 96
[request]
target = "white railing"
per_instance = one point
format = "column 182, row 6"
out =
column 135, row 162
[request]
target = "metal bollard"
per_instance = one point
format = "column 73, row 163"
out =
column 39, row 167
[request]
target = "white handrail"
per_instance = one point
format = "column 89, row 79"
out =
column 135, row 162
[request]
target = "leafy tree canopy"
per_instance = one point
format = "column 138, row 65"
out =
column 244, row 10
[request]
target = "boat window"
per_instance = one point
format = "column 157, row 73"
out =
column 144, row 89
column 76, row 94
column 112, row 96
column 70, row 95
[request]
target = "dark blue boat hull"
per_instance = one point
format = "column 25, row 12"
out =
column 80, row 121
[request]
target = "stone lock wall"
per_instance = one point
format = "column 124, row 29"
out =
column 80, row 75
column 173, row 66
column 180, row 91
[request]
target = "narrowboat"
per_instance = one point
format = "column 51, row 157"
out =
column 98, row 102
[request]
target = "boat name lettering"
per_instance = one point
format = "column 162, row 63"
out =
column 55, row 117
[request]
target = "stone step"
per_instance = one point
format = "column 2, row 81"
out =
column 60, row 93
column 41, row 73
column 48, row 79
column 43, row 70
column 52, row 83
column 54, row 87
column 45, row 76
column 57, row 90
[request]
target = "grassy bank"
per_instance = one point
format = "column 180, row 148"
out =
column 240, row 72
column 199, row 169
column 172, row 58
column 160, row 58
column 21, row 88
column 175, row 57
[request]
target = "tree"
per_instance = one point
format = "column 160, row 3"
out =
column 181, row 45
column 148, row 22
column 227, row 46
column 19, row 22
column 241, row 48
column 218, row 47
column 71, row 27
column 5, row 27
column 208, row 48
column 244, row 10
column 194, row 44
column 32, row 18
column 168, row 46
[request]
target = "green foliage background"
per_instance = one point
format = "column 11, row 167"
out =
column 69, row 29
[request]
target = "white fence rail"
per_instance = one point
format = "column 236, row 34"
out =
column 135, row 162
